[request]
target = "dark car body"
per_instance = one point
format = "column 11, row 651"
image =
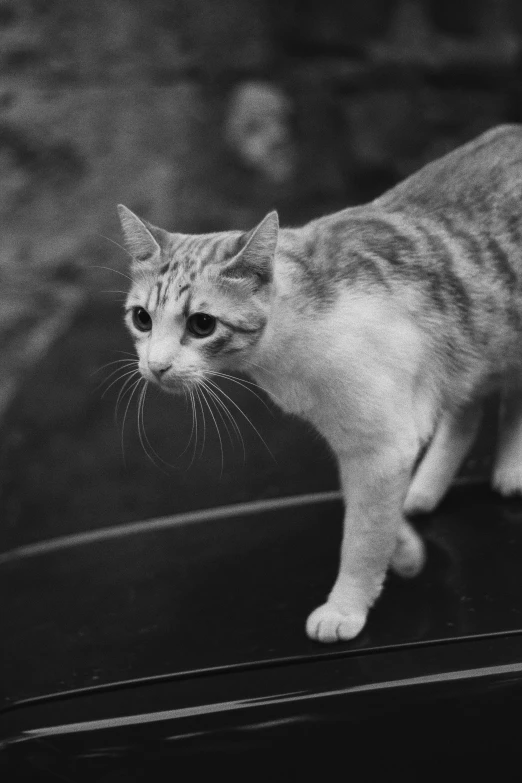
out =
column 175, row 649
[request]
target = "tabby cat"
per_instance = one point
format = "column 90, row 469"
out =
column 384, row 325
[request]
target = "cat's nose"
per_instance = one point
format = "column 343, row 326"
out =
column 159, row 368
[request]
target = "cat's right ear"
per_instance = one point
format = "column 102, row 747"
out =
column 256, row 259
column 141, row 239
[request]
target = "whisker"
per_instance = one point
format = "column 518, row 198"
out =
column 136, row 385
column 195, row 423
column 145, row 436
column 216, row 426
column 140, row 398
column 117, row 244
column 218, row 411
column 241, row 382
column 231, row 418
column 110, row 269
column 218, row 388
column 116, row 361
column 119, row 378
column 122, row 298
column 122, row 393
column 229, row 415
column 138, row 271
column 191, row 400
column 145, row 443
column 235, row 378
column 114, row 371
column 263, row 369
column 196, row 390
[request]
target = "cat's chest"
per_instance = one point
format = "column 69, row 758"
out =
column 291, row 393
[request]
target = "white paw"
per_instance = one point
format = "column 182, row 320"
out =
column 328, row 624
column 508, row 481
column 417, row 503
column 410, row 555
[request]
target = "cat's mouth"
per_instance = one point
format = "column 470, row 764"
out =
column 176, row 384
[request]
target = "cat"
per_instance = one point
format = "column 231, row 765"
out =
column 384, row 325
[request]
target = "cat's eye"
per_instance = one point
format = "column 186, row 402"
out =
column 201, row 324
column 141, row 319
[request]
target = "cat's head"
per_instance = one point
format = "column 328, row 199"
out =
column 198, row 303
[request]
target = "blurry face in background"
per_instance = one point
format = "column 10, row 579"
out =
column 258, row 129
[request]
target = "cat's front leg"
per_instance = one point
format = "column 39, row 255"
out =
column 374, row 489
column 454, row 437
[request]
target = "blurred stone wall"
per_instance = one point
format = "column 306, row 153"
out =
column 108, row 101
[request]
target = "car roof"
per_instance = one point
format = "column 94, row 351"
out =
column 231, row 588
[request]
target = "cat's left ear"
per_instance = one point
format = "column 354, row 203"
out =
column 256, row 259
column 143, row 240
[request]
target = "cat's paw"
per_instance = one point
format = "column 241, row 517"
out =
column 409, row 556
column 508, row 480
column 328, row 624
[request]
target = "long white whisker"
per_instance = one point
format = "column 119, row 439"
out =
column 203, row 388
column 218, row 388
column 195, row 422
column 235, row 378
column 110, row 269
column 241, row 382
column 141, row 419
column 145, row 436
column 198, row 397
column 119, row 378
column 140, row 399
column 218, row 411
column 123, row 392
column 231, row 418
column 224, row 407
column 115, row 371
column 191, row 400
column 121, row 298
column 116, row 361
column 117, row 244
column 125, row 414
column 263, row 369
column 145, row 443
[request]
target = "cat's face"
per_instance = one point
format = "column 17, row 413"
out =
column 198, row 303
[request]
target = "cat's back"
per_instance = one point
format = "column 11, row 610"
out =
column 451, row 233
column 445, row 246
column 472, row 177
column 457, row 214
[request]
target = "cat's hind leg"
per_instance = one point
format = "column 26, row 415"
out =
column 451, row 443
column 507, row 471
column 409, row 555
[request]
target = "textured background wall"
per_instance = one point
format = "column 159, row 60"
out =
column 124, row 100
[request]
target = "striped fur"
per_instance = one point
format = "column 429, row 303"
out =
column 384, row 325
